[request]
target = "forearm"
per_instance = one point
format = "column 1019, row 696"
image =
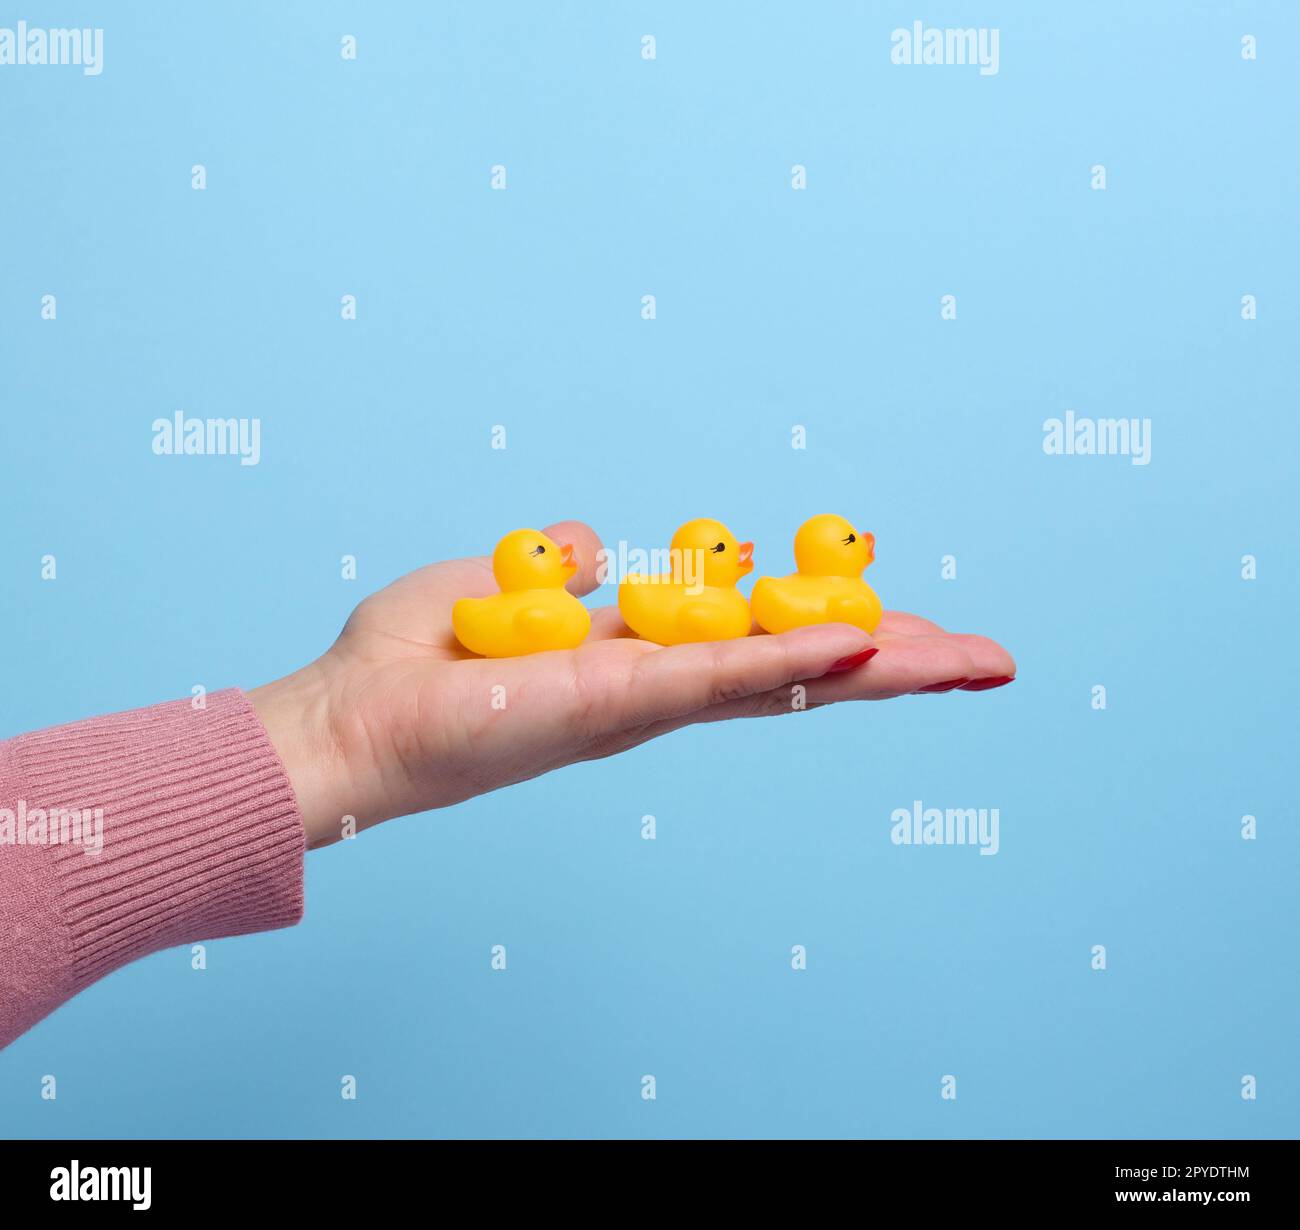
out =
column 126, row 834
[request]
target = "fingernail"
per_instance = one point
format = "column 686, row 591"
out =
column 983, row 685
column 947, row 686
column 857, row 659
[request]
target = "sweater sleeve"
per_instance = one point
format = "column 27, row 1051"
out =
column 125, row 834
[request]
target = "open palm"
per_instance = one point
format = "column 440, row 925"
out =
column 396, row 717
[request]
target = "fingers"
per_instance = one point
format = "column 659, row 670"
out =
column 607, row 624
column 669, row 683
column 903, row 665
column 988, row 659
column 916, row 663
column 666, row 688
column 902, row 624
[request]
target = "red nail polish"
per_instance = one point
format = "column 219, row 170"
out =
column 857, row 659
column 983, row 685
column 946, row 686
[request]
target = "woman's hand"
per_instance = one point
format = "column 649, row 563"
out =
column 397, row 718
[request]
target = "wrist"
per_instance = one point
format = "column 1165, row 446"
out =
column 295, row 712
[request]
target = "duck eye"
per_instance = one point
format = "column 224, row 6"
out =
column 722, row 546
column 538, row 550
column 852, row 538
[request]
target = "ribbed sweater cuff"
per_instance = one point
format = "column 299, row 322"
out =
column 202, row 837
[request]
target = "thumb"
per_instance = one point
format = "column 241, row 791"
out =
column 586, row 547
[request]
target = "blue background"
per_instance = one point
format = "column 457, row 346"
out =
column 775, row 307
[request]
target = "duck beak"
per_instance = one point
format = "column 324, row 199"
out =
column 870, row 540
column 745, row 557
column 568, row 561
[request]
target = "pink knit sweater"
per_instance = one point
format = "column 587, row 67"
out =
column 201, row 838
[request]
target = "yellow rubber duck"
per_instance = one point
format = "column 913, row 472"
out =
column 698, row 600
column 830, row 556
column 533, row 612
